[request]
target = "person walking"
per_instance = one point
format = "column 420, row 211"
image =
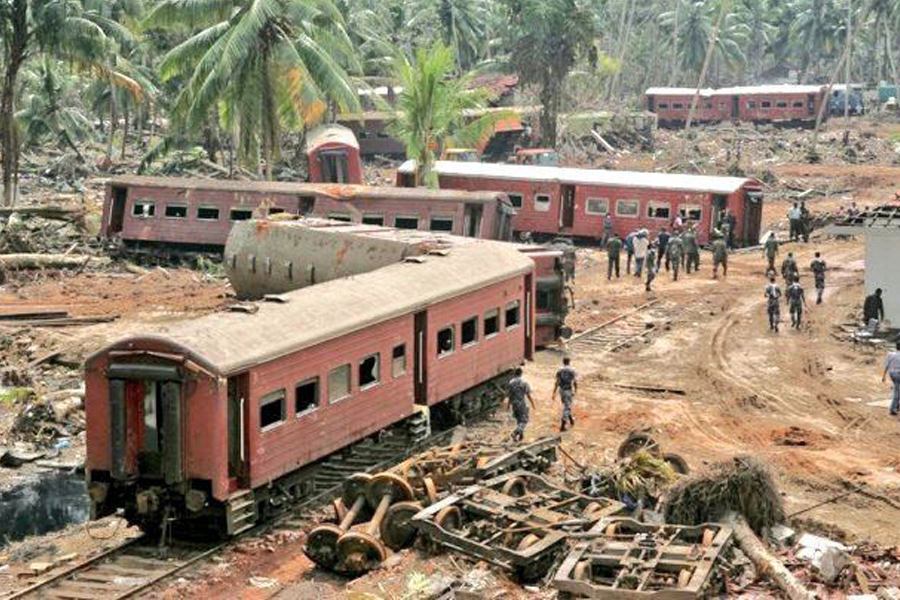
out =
column 892, row 368
column 691, row 249
column 771, row 249
column 818, row 269
column 789, row 270
column 662, row 243
column 651, row 266
column 805, row 222
column 732, row 225
column 641, row 245
column 613, row 250
column 796, row 298
column 517, row 390
column 567, row 385
column 720, row 257
column 674, row 254
column 629, row 249
column 773, row 304
column 794, row 220
column 873, row 310
column 607, row 228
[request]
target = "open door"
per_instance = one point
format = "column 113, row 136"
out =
column 117, row 214
column 719, row 203
column 238, row 424
column 567, row 218
column 421, row 357
column 735, row 108
column 473, row 216
column 752, row 218
column 305, row 205
column 529, row 317
column 810, row 104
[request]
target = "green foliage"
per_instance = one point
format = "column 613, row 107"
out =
column 16, row 395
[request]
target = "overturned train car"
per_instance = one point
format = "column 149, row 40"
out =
column 213, row 422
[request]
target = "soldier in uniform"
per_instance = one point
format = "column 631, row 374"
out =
column 805, row 222
column 796, row 299
column 691, row 249
column 567, row 385
column 771, row 248
column 613, row 250
column 517, row 390
column 662, row 240
column 607, row 228
column 650, row 265
column 773, row 304
column 789, row 270
column 674, row 254
column 818, row 269
column 720, row 257
column 629, row 250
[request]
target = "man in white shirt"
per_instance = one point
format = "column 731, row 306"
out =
column 641, row 245
column 892, row 368
column 794, row 215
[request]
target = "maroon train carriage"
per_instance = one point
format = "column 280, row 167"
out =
column 216, row 420
column 780, row 104
column 332, row 154
column 197, row 214
column 552, row 201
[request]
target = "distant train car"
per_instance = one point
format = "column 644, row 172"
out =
column 551, row 201
column 780, row 104
column 216, row 421
column 197, row 214
column 332, row 153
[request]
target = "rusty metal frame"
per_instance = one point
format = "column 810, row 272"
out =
column 623, row 559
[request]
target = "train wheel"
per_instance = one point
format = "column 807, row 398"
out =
column 430, row 490
column 677, row 462
column 391, row 484
column 449, row 518
column 359, row 552
column 354, row 486
column 397, row 530
column 636, row 442
column 321, row 545
column 515, row 487
column 340, row 510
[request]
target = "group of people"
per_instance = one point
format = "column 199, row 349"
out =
column 800, row 220
column 794, row 294
column 518, row 391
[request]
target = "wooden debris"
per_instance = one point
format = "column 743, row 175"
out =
column 49, row 261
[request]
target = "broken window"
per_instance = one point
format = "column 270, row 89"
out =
column 751, row 104
column 241, row 214
column 491, row 322
column 677, row 105
column 690, row 212
column 406, row 222
column 445, row 341
column 597, row 206
column 441, row 224
column 208, row 213
column 306, row 396
column 370, row 219
column 662, row 105
column 798, row 104
column 542, row 202
column 339, row 383
column 658, row 210
column 144, row 209
column 271, row 410
column 342, row 217
column 398, row 360
column 627, row 208
column 781, row 104
column 766, row 104
column 275, row 210
column 512, row 314
column 515, row 200
column 469, row 331
column 176, row 211
column 369, row 371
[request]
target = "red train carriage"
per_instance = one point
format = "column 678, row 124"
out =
column 216, row 419
column 552, row 201
column 783, row 104
column 198, row 214
column 332, row 154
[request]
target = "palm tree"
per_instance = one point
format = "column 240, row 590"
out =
column 815, row 32
column 431, row 108
column 462, row 23
column 259, row 66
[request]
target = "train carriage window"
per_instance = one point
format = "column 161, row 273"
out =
column 208, row 213
column 339, row 383
column 176, row 211
column 659, row 210
column 271, row 410
column 663, row 105
column 398, row 361
column 690, row 212
column 445, row 341
column 798, row 104
column 441, row 224
column 144, row 209
column 766, row 104
column 241, row 214
column 542, row 202
column 275, row 210
column 469, row 332
column 677, row 105
column 751, row 104
column 627, row 208
column 406, row 222
column 781, row 104
column 515, row 200
column 491, row 323
column 596, row 206
column 342, row 217
column 372, row 219
column 512, row 314
column 707, row 105
column 370, row 371
column 306, row 396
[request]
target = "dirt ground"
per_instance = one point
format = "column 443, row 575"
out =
column 808, row 402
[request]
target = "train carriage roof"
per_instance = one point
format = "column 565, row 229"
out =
column 333, row 191
column 330, row 134
column 785, row 88
column 231, row 342
column 563, row 175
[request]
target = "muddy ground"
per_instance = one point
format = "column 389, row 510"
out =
column 809, row 402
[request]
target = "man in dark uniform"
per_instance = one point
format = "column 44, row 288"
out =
column 805, row 222
column 567, row 385
column 873, row 308
column 789, row 270
column 796, row 298
column 613, row 250
column 691, row 249
column 629, row 249
column 674, row 254
column 771, row 249
column 818, row 269
column 773, row 304
column 662, row 241
column 517, row 390
column 651, row 264
column 720, row 257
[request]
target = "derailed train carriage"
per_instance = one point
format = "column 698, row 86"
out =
column 212, row 422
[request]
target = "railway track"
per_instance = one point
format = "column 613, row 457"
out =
column 136, row 565
column 611, row 335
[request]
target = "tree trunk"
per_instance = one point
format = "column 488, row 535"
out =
column 627, row 16
column 113, row 120
column 125, row 125
column 14, row 57
column 824, row 103
column 673, row 75
column 713, row 39
column 847, row 76
column 550, row 92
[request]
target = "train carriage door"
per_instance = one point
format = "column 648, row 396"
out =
column 567, row 206
column 529, row 317
column 420, row 356
column 719, row 204
column 810, row 104
column 735, row 108
column 305, row 205
column 117, row 214
column 752, row 221
column 238, row 389
column 473, row 219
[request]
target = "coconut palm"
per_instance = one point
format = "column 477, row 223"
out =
column 462, row 24
column 815, row 32
column 259, row 66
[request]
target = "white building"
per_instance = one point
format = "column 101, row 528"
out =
column 881, row 226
